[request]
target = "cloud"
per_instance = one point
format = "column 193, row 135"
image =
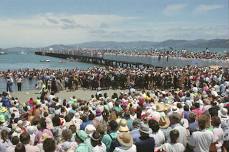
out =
column 46, row 29
column 174, row 8
column 49, row 28
column 207, row 7
column 53, row 21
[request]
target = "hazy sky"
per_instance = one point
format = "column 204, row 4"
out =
column 43, row 22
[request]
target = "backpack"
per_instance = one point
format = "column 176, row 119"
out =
column 114, row 143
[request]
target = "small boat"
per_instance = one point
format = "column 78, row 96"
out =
column 44, row 60
column 22, row 52
column 2, row 53
column 61, row 62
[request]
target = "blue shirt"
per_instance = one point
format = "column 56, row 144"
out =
column 6, row 102
column 145, row 144
column 135, row 134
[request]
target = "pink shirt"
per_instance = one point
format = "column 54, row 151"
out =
column 198, row 112
column 42, row 135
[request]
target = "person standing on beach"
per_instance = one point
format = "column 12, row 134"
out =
column 9, row 83
column 19, row 82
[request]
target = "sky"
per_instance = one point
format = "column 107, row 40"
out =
column 38, row 23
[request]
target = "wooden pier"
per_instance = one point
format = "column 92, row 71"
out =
column 92, row 58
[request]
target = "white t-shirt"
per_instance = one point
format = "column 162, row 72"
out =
column 183, row 134
column 159, row 138
column 122, row 149
column 218, row 137
column 101, row 148
column 201, row 140
column 178, row 147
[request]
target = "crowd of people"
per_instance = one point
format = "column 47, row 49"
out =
column 166, row 110
column 116, row 78
column 173, row 53
column 168, row 53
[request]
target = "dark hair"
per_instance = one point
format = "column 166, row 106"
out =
column 126, row 115
column 179, row 105
column 67, row 134
column 49, row 145
column 91, row 116
column 12, row 115
column 72, row 128
column 174, row 135
column 4, row 135
column 84, row 118
column 15, row 140
column 226, row 145
column 25, row 138
column 215, row 121
column 186, row 107
column 96, row 139
column 192, row 117
column 188, row 94
column 20, row 148
column 45, row 114
column 154, row 125
column 56, row 121
column 105, row 95
column 68, row 118
column 113, row 125
column 42, row 123
column 197, row 105
column 213, row 111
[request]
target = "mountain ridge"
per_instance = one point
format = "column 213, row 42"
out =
column 171, row 43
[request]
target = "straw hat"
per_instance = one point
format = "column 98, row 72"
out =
column 125, row 139
column 161, row 107
column 123, row 122
column 123, row 129
column 3, row 109
column 144, row 128
column 164, row 122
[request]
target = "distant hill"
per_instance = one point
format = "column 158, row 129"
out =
column 215, row 43
column 199, row 43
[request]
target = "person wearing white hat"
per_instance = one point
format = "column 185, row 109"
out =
column 145, row 142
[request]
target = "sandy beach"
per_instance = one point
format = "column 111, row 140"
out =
column 84, row 94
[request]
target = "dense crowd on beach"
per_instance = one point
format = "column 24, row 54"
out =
column 116, row 78
column 164, row 110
